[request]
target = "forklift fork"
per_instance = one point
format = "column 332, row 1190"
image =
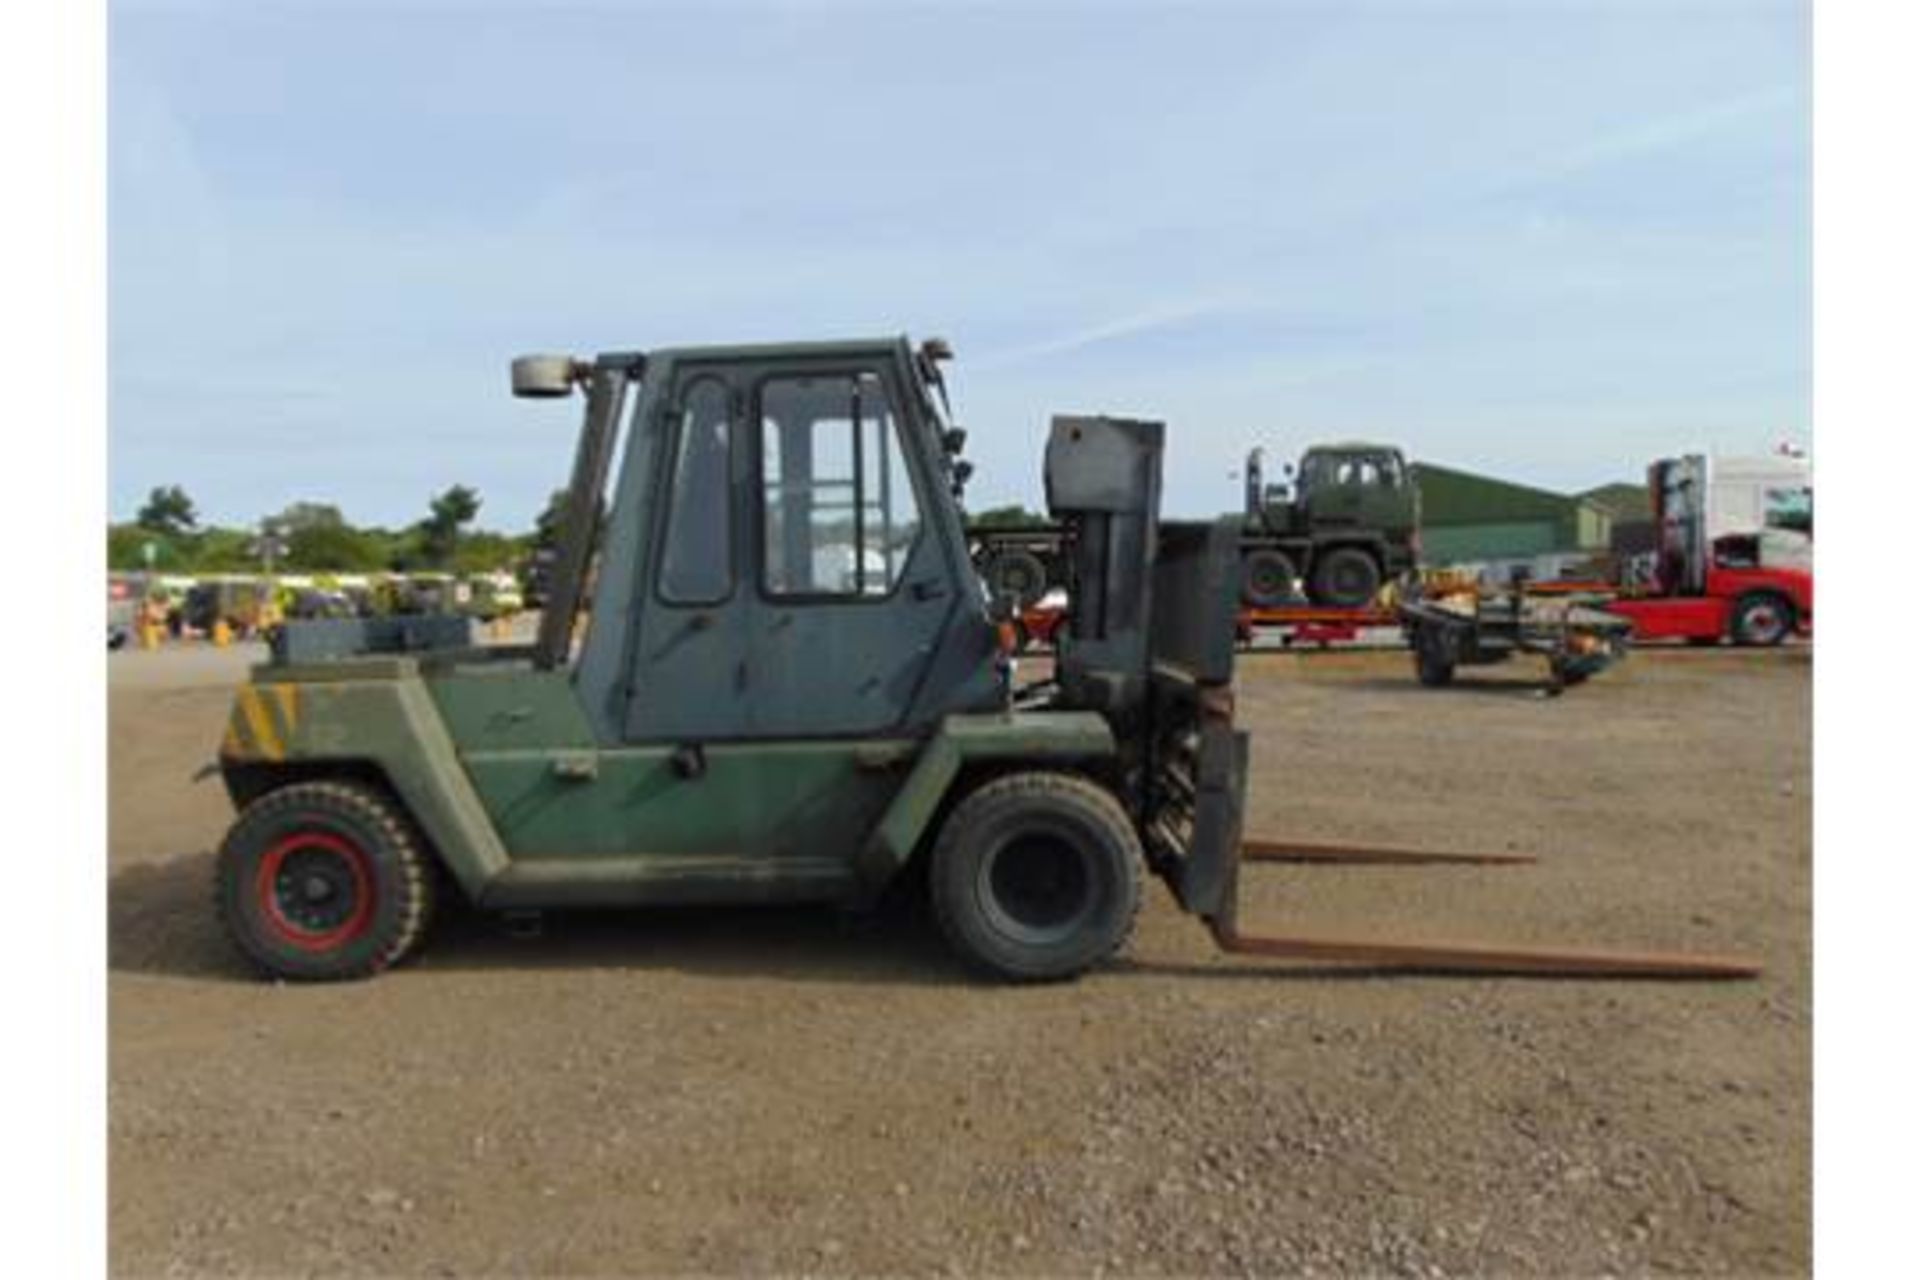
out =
column 1435, row 955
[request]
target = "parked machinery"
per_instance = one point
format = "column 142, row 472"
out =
column 790, row 688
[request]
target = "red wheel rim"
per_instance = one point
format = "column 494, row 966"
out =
column 328, row 859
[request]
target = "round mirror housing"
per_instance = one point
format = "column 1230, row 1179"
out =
column 544, row 377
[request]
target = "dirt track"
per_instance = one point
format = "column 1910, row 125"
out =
column 797, row 1091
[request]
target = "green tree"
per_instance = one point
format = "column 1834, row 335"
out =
column 168, row 510
column 218, row 550
column 547, row 525
column 483, row 551
column 318, row 539
column 126, row 548
column 337, row 548
column 309, row 515
column 440, row 531
column 1001, row 517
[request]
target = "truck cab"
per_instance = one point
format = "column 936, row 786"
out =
column 1753, row 587
column 1353, row 486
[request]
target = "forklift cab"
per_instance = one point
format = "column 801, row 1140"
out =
column 785, row 556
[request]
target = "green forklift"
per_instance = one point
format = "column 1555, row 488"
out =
column 788, row 685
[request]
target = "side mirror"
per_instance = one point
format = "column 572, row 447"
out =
column 544, row 377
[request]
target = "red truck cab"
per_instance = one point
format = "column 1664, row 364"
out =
column 1740, row 597
column 1752, row 588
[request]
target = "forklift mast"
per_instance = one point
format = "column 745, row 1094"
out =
column 1149, row 644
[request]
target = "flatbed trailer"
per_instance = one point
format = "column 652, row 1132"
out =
column 1303, row 624
column 1313, row 624
column 1476, row 627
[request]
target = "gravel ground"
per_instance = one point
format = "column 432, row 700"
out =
column 801, row 1091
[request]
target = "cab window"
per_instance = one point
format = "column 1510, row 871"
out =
column 839, row 516
column 696, row 565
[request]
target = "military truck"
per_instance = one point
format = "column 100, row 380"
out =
column 743, row 720
column 1348, row 523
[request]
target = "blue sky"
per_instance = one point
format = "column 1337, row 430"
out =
column 1546, row 240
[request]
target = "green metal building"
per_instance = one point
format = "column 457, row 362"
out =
column 1471, row 518
column 1631, row 507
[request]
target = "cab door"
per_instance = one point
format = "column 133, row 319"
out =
column 793, row 587
column 687, row 683
column 852, row 592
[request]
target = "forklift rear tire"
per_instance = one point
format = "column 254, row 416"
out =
column 320, row 881
column 1266, row 578
column 1036, row 877
column 1345, row 577
column 1761, row 620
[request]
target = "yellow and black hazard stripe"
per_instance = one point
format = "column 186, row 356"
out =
column 263, row 721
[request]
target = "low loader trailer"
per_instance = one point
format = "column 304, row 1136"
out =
column 789, row 687
column 1447, row 629
column 1037, row 625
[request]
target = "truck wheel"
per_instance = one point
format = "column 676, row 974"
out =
column 1017, row 573
column 1036, row 876
column 322, row 881
column 1345, row 577
column 1761, row 619
column 1266, row 578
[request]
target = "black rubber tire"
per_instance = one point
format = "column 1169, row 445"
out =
column 1345, row 578
column 1434, row 671
column 1074, row 847
column 354, row 838
column 1762, row 619
column 1267, row 578
column 1014, row 572
column 1433, row 660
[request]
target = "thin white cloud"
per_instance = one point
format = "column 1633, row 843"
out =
column 1672, row 131
column 1148, row 320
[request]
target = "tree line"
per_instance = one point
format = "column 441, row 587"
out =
column 315, row 537
column 167, row 536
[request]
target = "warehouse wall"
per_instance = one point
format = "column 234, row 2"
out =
column 1453, row 544
column 1468, row 517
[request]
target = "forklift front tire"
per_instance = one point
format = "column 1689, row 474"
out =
column 320, row 881
column 1036, row 877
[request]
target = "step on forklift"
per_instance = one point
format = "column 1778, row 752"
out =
column 790, row 686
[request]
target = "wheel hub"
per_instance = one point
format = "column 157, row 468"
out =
column 1039, row 887
column 316, row 890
